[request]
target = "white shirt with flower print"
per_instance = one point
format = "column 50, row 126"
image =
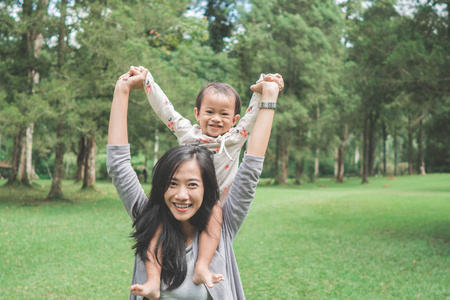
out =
column 226, row 147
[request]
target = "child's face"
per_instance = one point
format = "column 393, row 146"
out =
column 216, row 114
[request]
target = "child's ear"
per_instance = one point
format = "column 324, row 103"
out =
column 235, row 119
column 196, row 113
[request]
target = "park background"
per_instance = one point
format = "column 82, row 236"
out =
column 366, row 101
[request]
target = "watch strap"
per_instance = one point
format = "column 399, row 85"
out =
column 268, row 105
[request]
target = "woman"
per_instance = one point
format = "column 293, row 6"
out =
column 184, row 188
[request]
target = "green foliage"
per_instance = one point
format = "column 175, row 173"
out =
column 341, row 63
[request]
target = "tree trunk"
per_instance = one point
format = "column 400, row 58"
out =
column 298, row 161
column 282, row 157
column 56, row 188
column 22, row 168
column 395, row 152
column 29, row 48
column 21, row 172
column 365, row 158
column 341, row 151
column 26, row 167
column 81, row 159
column 316, row 164
column 357, row 159
column 421, row 155
column 298, row 172
column 371, row 154
column 384, row 148
column 285, row 164
column 16, row 155
column 89, row 168
column 316, row 159
column 410, row 148
column 336, row 157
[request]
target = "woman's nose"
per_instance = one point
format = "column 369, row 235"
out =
column 182, row 194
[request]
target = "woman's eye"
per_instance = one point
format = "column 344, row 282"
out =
column 193, row 184
column 172, row 183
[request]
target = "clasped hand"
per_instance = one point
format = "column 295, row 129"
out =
column 134, row 79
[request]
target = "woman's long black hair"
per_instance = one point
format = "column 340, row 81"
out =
column 156, row 213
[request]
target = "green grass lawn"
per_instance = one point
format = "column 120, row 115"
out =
column 389, row 239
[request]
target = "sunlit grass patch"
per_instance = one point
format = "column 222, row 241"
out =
column 389, row 239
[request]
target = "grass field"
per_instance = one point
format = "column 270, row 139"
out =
column 389, row 239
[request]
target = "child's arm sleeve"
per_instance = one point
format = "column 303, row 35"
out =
column 164, row 108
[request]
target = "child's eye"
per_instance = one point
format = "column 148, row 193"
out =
column 209, row 112
column 225, row 114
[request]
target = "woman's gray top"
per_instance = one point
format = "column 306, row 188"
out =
column 235, row 210
column 188, row 289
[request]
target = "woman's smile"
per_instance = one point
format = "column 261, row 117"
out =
column 182, row 207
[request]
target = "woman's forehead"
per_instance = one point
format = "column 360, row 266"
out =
column 188, row 170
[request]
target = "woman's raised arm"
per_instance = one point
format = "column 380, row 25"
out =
column 259, row 139
column 118, row 125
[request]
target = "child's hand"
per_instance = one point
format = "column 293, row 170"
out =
column 134, row 78
column 277, row 78
column 265, row 86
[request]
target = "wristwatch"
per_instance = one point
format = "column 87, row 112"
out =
column 269, row 105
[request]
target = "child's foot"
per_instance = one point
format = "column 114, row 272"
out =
column 146, row 290
column 205, row 276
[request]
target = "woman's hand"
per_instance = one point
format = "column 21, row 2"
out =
column 277, row 78
column 134, row 79
column 265, row 87
column 269, row 82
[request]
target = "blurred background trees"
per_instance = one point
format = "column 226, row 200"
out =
column 367, row 83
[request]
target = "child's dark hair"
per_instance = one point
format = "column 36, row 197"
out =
column 220, row 88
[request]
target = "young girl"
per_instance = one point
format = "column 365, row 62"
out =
column 217, row 110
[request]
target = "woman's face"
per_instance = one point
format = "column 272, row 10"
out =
column 185, row 193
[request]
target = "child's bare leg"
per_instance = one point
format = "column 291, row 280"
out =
column 151, row 288
column 223, row 196
column 209, row 241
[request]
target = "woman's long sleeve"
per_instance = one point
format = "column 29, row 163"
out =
column 124, row 178
column 241, row 194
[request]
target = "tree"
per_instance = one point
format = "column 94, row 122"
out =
column 302, row 43
column 62, row 103
column 22, row 41
column 373, row 38
column 221, row 16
